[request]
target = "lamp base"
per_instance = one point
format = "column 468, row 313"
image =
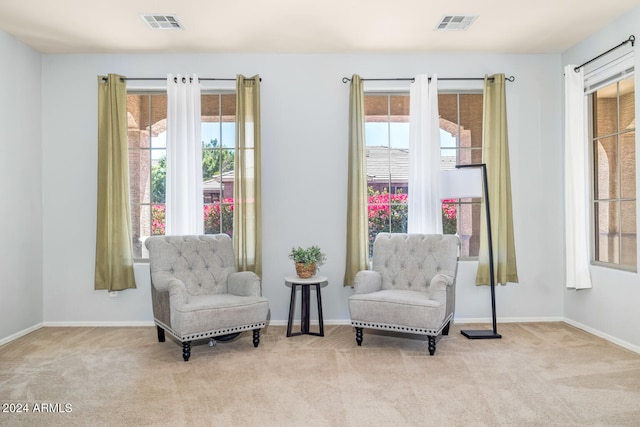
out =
column 480, row 334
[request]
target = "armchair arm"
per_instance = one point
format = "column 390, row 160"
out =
column 438, row 287
column 166, row 282
column 367, row 281
column 177, row 293
column 244, row 283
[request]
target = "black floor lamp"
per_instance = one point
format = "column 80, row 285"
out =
column 485, row 334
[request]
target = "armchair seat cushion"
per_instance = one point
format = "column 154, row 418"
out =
column 412, row 309
column 219, row 312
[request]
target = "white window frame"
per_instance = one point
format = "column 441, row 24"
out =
column 140, row 253
column 459, row 203
column 616, row 67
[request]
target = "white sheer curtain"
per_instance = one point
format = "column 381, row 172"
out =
column 184, row 205
column 577, row 273
column 425, row 210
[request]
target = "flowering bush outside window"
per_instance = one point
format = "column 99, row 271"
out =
column 157, row 220
column 449, row 216
column 218, row 218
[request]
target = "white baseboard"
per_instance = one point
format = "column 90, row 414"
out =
column 617, row 341
column 457, row 320
column 21, row 333
column 98, row 324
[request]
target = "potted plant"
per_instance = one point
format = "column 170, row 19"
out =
column 307, row 260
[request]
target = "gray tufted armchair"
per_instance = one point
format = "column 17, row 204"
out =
column 411, row 287
column 197, row 293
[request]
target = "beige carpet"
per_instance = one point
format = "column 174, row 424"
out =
column 539, row 374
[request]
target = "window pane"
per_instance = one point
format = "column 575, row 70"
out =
column 228, row 134
column 450, row 210
column 629, row 238
column 227, row 216
column 158, row 176
column 627, row 104
column 137, row 120
column 212, row 218
column 605, row 104
column 376, row 108
column 467, row 156
column 141, row 229
column 158, row 219
column 399, row 135
column 448, row 110
column 210, row 134
column 399, row 107
column 376, row 134
column 469, row 226
column 379, row 212
column 471, row 120
column 608, row 243
column 606, row 168
column 627, row 158
column 399, row 210
column 210, row 107
column 139, row 183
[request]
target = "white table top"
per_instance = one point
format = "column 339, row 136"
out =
column 310, row 281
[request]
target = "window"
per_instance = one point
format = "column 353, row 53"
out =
column 613, row 150
column 147, row 121
column 387, row 158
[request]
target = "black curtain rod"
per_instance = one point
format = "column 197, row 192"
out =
column 631, row 39
column 175, row 79
column 411, row 79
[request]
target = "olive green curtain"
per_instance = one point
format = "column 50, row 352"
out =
column 114, row 252
column 496, row 156
column 247, row 212
column 357, row 219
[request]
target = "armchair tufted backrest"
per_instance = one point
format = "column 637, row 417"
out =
column 202, row 263
column 409, row 261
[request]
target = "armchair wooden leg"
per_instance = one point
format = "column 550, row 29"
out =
column 186, row 350
column 256, row 337
column 160, row 334
column 432, row 345
column 359, row 336
column 445, row 331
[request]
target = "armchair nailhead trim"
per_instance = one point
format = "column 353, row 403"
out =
column 406, row 329
column 209, row 334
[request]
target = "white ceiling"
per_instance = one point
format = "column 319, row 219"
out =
column 305, row 26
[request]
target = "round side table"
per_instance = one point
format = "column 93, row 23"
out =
column 305, row 284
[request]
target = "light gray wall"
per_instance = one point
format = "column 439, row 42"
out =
column 20, row 188
column 610, row 308
column 304, row 129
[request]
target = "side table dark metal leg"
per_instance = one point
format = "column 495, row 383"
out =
column 319, row 298
column 292, row 308
column 304, row 315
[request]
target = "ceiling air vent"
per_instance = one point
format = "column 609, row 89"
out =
column 455, row 23
column 162, row 22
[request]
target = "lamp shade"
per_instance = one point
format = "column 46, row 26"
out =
column 460, row 183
